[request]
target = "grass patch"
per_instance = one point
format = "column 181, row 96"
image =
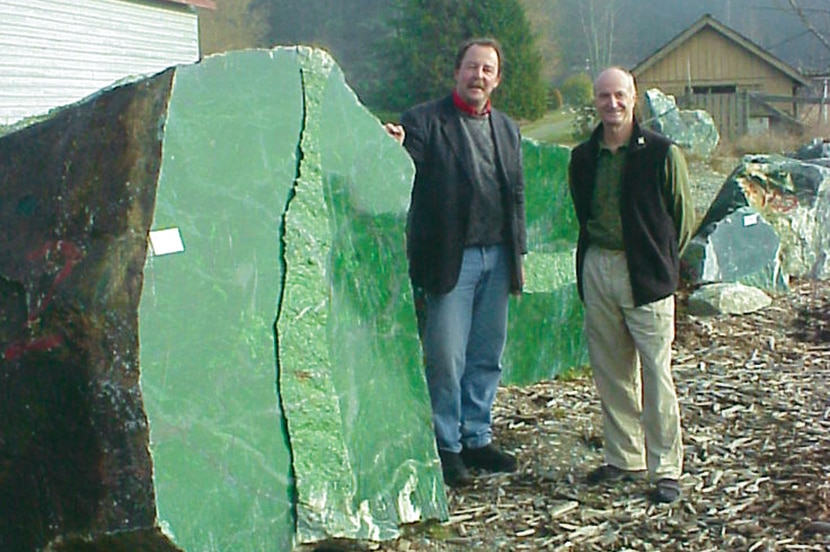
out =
column 768, row 142
column 554, row 127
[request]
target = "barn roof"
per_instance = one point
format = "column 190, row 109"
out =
column 707, row 21
column 209, row 4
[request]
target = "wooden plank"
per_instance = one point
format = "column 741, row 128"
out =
column 773, row 98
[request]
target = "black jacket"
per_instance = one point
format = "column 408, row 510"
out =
column 649, row 235
column 440, row 203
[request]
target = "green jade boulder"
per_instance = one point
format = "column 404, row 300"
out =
column 280, row 362
column 207, row 329
column 545, row 337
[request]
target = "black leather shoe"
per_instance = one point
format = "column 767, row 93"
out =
column 667, row 491
column 607, row 473
column 489, row 458
column 455, row 472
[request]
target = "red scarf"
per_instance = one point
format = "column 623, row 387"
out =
column 467, row 108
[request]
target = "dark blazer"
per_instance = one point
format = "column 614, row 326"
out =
column 440, row 203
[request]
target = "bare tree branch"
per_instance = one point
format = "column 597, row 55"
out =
column 598, row 26
column 808, row 24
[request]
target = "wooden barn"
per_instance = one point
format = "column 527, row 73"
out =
column 56, row 52
column 710, row 66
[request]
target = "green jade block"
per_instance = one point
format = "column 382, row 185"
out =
column 249, row 378
column 351, row 379
column 280, row 363
column 545, row 336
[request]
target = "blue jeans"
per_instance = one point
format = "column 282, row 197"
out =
column 464, row 338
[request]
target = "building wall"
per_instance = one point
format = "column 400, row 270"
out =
column 55, row 52
column 708, row 58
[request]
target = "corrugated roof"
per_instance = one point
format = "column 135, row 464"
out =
column 732, row 35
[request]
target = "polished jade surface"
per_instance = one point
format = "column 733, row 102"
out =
column 222, row 463
column 545, row 337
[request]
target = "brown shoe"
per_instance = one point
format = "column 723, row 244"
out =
column 455, row 472
column 489, row 458
column 607, row 473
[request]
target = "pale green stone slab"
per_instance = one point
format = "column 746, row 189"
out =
column 291, row 203
column 221, row 457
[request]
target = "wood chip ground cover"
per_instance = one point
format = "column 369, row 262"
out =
column 755, row 401
column 754, row 394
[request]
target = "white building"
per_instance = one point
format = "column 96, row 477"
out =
column 56, row 52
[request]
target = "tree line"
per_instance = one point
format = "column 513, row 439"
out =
column 396, row 53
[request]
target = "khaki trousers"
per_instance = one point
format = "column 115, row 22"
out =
column 630, row 353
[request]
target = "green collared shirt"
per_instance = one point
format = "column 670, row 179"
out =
column 605, row 224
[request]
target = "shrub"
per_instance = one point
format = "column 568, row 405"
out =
column 578, row 90
column 583, row 123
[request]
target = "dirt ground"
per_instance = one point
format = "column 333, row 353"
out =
column 755, row 401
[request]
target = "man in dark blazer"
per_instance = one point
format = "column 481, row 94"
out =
column 465, row 241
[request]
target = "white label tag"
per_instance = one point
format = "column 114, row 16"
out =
column 751, row 220
column 165, row 242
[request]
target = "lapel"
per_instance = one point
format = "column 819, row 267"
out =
column 502, row 138
column 457, row 143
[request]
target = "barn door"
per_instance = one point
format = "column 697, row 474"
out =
column 728, row 105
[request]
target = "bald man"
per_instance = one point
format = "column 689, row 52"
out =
column 630, row 190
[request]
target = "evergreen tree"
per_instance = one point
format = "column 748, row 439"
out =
column 543, row 16
column 428, row 32
column 521, row 92
column 419, row 58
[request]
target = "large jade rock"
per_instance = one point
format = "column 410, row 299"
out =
column 742, row 247
column 545, row 337
column 280, row 361
column 207, row 329
column 692, row 129
column 208, row 335
column 788, row 196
